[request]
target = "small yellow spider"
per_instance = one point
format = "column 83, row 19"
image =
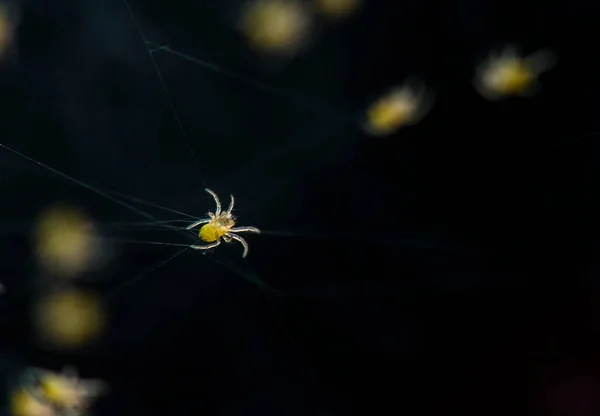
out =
column 509, row 73
column 59, row 393
column 402, row 106
column 220, row 224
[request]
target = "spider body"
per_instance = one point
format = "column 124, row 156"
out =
column 277, row 26
column 23, row 403
column 216, row 229
column 402, row 106
column 220, row 224
column 59, row 393
column 513, row 79
column 511, row 74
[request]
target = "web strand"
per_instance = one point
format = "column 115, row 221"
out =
column 167, row 94
column 151, row 204
column 137, row 278
column 250, row 276
column 258, row 85
column 80, row 183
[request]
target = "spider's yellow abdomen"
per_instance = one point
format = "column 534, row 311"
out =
column 60, row 391
column 387, row 115
column 211, row 232
column 25, row 404
column 515, row 78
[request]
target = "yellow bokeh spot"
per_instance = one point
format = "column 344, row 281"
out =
column 514, row 78
column 65, row 241
column 60, row 391
column 23, row 403
column 7, row 28
column 388, row 115
column 276, row 25
column 70, row 318
column 507, row 73
column 337, row 9
column 391, row 112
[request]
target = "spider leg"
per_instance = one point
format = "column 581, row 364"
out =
column 241, row 241
column 245, row 229
column 216, row 198
column 230, row 205
column 204, row 221
column 206, row 247
column 226, row 238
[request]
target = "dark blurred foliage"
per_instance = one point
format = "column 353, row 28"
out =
column 449, row 268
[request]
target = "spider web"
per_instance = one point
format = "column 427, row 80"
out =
column 148, row 232
column 132, row 120
column 188, row 88
column 223, row 162
column 185, row 123
column 288, row 135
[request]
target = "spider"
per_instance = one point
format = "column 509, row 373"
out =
column 509, row 73
column 402, row 106
column 60, row 393
column 220, row 224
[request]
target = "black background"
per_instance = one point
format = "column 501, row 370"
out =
column 449, row 268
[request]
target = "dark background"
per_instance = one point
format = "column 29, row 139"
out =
column 449, row 268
